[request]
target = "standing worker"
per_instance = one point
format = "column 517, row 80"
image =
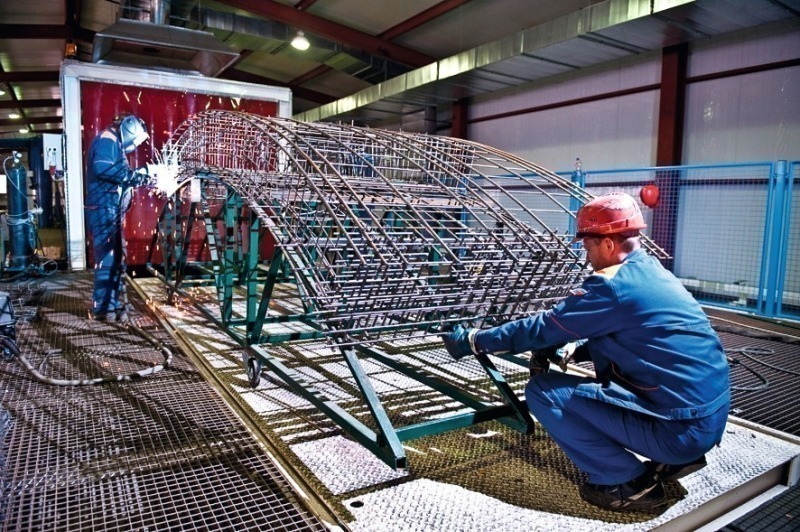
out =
column 662, row 387
column 109, row 191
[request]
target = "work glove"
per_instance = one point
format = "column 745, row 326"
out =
column 140, row 177
column 574, row 353
column 457, row 342
column 541, row 359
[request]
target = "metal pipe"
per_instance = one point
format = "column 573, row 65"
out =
column 160, row 11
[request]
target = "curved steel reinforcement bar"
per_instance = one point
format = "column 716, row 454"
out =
column 386, row 236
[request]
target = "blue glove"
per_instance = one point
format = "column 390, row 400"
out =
column 457, row 342
column 139, row 177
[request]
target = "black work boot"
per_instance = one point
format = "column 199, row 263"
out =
column 121, row 315
column 101, row 316
column 674, row 472
column 644, row 493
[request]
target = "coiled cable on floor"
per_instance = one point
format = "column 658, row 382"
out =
column 750, row 352
column 9, row 347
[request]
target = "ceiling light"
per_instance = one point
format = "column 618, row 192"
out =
column 300, row 42
column 23, row 130
column 13, row 115
column 70, row 50
column 2, row 92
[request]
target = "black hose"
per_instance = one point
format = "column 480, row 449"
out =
column 9, row 344
column 764, row 381
column 752, row 353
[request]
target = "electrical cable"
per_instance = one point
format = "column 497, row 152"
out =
column 10, row 345
column 10, row 350
column 752, row 353
column 749, row 352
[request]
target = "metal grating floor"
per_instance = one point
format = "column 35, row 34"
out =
column 486, row 477
column 162, row 452
column 765, row 369
column 782, row 514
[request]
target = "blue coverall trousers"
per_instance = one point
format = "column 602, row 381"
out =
column 108, row 243
column 601, row 438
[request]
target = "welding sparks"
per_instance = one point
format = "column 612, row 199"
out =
column 164, row 178
column 165, row 172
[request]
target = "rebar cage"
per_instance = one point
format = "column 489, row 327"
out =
column 385, row 235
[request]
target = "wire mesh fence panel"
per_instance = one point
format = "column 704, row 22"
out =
column 720, row 232
column 713, row 222
column 790, row 295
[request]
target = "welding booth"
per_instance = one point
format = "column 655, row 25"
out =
column 93, row 94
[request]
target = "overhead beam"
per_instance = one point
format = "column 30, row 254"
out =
column 33, row 31
column 30, row 104
column 32, row 75
column 302, row 5
column 30, row 120
column 423, row 17
column 311, row 74
column 300, row 92
column 45, row 31
column 395, row 31
column 333, row 31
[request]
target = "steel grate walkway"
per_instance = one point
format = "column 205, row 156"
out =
column 159, row 453
column 779, row 515
column 764, row 359
column 484, row 477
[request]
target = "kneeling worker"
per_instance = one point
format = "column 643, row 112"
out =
column 662, row 387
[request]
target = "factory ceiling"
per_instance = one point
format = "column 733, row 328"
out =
column 367, row 62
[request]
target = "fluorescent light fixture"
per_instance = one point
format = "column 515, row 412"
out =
column 300, row 42
column 2, row 92
column 13, row 115
column 23, row 130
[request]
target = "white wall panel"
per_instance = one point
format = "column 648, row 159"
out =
column 752, row 117
column 641, row 71
column 757, row 46
column 612, row 133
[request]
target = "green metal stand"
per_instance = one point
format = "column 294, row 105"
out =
column 232, row 266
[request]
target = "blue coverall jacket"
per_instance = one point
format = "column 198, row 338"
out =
column 108, row 194
column 662, row 381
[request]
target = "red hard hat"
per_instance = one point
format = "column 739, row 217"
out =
column 609, row 214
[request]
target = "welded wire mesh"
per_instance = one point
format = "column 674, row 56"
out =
column 387, row 232
column 712, row 220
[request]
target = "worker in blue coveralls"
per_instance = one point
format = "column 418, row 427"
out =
column 661, row 388
column 109, row 191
